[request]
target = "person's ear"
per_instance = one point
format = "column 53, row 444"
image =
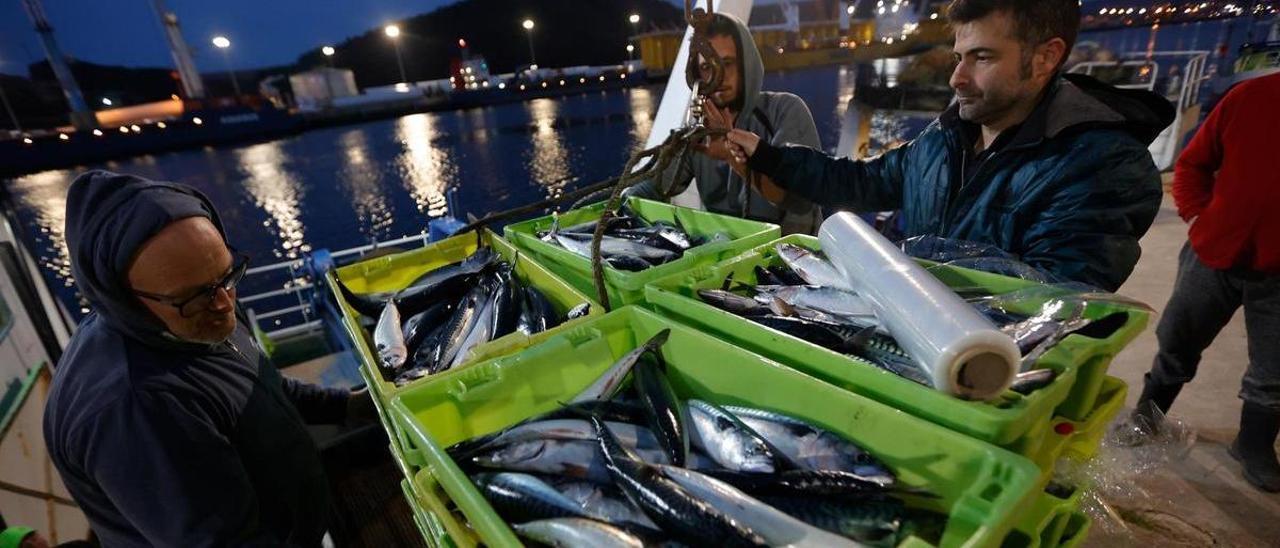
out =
column 1047, row 57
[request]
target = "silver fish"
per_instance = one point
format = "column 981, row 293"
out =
column 576, row 533
column 604, row 501
column 389, row 338
column 814, row 269
column 612, row 245
column 608, row 383
column 732, row 302
column 830, row 300
column 1029, row 381
column 631, row 435
column 811, row 446
column 776, row 527
column 522, row 497
column 576, row 459
column 727, row 441
column 481, row 331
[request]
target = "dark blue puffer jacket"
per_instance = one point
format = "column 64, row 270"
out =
column 1071, row 193
column 164, row 442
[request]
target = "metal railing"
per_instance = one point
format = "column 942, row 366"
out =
column 285, row 317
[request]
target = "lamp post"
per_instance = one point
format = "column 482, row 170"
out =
column 393, row 32
column 634, row 19
column 528, row 27
column 328, row 52
column 222, row 43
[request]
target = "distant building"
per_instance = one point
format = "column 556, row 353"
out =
column 317, row 88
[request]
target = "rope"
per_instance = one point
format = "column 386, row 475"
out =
column 539, row 205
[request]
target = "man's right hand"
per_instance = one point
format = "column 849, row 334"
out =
column 742, row 144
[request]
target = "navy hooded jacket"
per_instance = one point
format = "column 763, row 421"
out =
column 165, row 442
column 1070, row 192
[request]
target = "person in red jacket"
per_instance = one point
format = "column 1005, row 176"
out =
column 1227, row 186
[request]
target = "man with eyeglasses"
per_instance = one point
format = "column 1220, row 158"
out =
column 167, row 423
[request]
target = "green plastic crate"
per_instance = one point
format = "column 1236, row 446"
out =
column 390, row 272
column 980, row 486
column 628, row 287
column 1012, row 421
column 1050, row 521
column 1080, row 440
column 428, row 525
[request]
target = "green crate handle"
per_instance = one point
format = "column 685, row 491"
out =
column 492, row 527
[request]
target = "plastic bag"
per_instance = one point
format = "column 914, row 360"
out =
column 974, row 256
column 1134, row 447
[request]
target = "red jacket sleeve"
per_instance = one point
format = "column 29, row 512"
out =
column 1193, row 175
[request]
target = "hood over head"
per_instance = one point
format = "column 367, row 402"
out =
column 749, row 62
column 109, row 217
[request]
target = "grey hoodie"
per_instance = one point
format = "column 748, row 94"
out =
column 164, row 442
column 779, row 118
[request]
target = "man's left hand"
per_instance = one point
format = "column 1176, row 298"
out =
column 717, row 147
column 360, row 407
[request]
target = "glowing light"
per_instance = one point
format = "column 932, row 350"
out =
column 27, row 140
column 889, row 41
column 106, row 101
column 635, row 18
column 64, row 136
column 894, row 9
column 849, row 10
column 562, row 82
column 1142, row 11
column 402, row 88
column 880, row 11
column 135, row 128
column 601, row 77
column 582, row 80
column 630, row 48
column 462, row 43
column 97, row 133
column 1102, row 11
column 622, row 76
column 197, row 121
column 174, row 97
column 933, row 16
column 502, row 85
column 391, row 31
column 527, row 24
column 544, row 84
column 328, row 51
column 161, row 125
column 221, row 42
column 124, row 129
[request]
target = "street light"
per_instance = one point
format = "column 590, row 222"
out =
column 222, row 43
column 328, row 51
column 528, row 27
column 393, row 32
column 635, row 20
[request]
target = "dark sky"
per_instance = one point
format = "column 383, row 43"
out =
column 262, row 32
column 126, row 32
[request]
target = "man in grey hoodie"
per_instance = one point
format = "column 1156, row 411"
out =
column 781, row 118
column 167, row 423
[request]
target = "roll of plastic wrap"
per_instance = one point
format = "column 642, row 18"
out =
column 961, row 350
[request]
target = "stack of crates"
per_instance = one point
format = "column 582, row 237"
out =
column 990, row 462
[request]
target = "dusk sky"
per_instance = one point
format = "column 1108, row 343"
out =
column 262, row 32
column 127, row 32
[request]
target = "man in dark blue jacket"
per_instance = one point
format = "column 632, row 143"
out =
column 1053, row 168
column 166, row 422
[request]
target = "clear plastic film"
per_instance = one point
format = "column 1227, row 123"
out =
column 1134, row 447
column 1040, row 316
column 961, row 351
column 974, row 256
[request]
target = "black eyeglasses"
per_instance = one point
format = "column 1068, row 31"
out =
column 201, row 300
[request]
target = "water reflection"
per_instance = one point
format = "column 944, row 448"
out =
column 642, row 108
column 45, row 195
column 549, row 163
column 426, row 169
column 278, row 192
column 362, row 177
